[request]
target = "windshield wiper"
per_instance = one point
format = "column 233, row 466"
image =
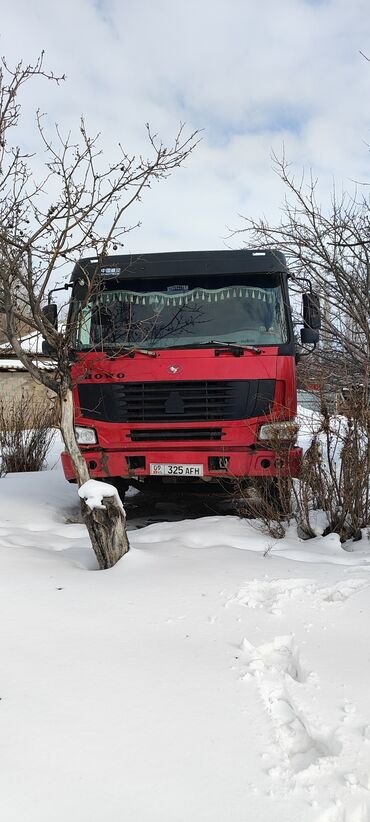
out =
column 236, row 348
column 131, row 351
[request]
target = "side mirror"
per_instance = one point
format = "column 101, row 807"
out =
column 50, row 312
column 311, row 310
column 81, row 288
column 309, row 336
column 47, row 349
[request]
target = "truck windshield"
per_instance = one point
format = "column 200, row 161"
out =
column 248, row 310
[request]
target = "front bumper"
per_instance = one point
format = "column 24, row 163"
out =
column 240, row 462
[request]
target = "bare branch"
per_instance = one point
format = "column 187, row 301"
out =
column 331, row 248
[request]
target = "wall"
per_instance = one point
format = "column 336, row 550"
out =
column 15, row 384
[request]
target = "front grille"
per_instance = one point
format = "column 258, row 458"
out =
column 176, row 401
column 173, row 434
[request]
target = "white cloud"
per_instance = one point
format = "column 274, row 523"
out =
column 253, row 75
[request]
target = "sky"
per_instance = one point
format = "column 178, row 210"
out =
column 254, row 77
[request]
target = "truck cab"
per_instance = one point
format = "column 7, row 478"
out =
column 184, row 367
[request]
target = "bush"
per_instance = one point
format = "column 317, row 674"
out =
column 26, row 433
column 334, row 478
column 336, row 469
column 269, row 499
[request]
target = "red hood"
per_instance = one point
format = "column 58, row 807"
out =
column 181, row 364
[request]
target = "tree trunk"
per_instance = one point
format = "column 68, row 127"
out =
column 107, row 531
column 106, row 526
column 69, row 437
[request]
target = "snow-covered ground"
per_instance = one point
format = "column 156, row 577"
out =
column 213, row 675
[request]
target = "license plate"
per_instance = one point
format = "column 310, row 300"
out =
column 160, row 469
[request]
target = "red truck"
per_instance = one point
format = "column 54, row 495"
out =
column 185, row 367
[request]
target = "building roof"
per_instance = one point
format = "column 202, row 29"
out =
column 31, row 344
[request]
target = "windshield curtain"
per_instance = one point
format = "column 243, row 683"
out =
column 176, row 316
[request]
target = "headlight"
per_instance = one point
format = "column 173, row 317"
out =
column 281, row 431
column 85, row 436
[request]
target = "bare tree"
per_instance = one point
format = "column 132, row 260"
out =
column 332, row 248
column 47, row 219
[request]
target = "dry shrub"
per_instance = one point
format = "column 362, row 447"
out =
column 336, row 468
column 334, row 477
column 26, row 433
column 269, row 499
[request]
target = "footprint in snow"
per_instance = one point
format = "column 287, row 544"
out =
column 301, row 740
column 272, row 595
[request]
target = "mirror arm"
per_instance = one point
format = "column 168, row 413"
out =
column 304, row 353
column 305, row 280
column 61, row 288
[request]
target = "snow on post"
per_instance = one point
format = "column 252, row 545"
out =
column 93, row 492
